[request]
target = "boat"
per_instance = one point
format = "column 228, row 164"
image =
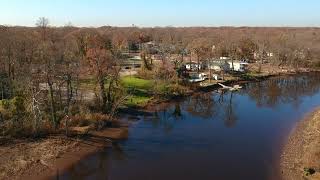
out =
column 195, row 80
column 234, row 88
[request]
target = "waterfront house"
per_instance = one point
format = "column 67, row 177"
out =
column 218, row 65
column 132, row 63
column 193, row 66
column 239, row 66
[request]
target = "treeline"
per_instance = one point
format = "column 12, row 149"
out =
column 41, row 70
column 41, row 67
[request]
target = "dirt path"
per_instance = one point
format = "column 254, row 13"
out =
column 301, row 155
column 42, row 159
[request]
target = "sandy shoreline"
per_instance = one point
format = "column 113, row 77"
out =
column 301, row 155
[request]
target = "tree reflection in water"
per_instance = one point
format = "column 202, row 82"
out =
column 279, row 90
column 166, row 117
column 201, row 105
column 230, row 116
column 221, row 106
column 177, row 111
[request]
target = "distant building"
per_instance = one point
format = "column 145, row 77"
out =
column 265, row 54
column 225, row 64
column 238, row 66
column 270, row 54
column 193, row 66
column 132, row 63
column 224, row 58
column 218, row 65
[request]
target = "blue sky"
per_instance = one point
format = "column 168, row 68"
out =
column 149, row 13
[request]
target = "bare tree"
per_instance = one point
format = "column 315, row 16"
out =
column 104, row 65
column 43, row 24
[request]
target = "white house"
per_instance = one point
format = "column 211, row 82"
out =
column 267, row 54
column 225, row 64
column 238, row 66
column 224, row 58
column 216, row 77
column 218, row 65
column 270, row 54
column 193, row 66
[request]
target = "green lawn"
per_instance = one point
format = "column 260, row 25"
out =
column 137, row 83
column 139, row 89
column 135, row 101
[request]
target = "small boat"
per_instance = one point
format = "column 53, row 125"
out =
column 234, row 88
column 198, row 77
column 237, row 87
column 194, row 80
column 224, row 86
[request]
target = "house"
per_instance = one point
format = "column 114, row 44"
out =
column 134, row 62
column 239, row 66
column 193, row 66
column 225, row 64
column 257, row 56
column 216, row 77
column 224, row 58
column 270, row 54
column 218, row 65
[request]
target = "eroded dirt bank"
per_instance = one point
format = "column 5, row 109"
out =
column 44, row 158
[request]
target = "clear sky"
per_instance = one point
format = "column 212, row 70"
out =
column 149, row 13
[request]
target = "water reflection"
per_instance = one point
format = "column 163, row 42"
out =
column 206, row 106
column 202, row 105
column 177, row 111
column 281, row 90
column 230, row 116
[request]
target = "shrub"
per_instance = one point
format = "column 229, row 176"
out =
column 95, row 120
column 5, row 104
column 145, row 74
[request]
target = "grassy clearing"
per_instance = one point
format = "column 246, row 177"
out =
column 138, row 83
column 134, row 101
column 139, row 89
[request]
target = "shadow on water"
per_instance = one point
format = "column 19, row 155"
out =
column 228, row 135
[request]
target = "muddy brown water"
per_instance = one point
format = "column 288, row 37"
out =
column 235, row 135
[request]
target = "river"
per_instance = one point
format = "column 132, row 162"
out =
column 234, row 135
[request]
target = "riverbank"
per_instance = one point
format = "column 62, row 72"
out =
column 301, row 154
column 45, row 158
